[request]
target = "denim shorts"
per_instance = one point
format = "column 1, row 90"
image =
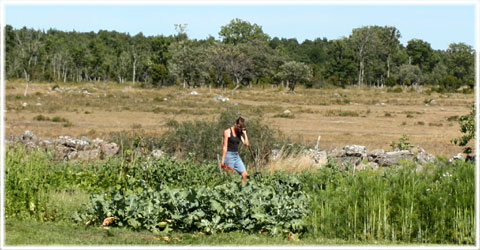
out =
column 233, row 160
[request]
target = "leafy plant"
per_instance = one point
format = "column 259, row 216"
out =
column 467, row 127
column 402, row 144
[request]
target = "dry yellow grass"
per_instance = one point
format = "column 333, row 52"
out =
column 354, row 115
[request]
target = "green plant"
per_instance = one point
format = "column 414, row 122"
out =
column 41, row 118
column 59, row 119
column 402, row 144
column 467, row 127
column 284, row 115
column 259, row 205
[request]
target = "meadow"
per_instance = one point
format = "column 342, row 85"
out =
column 368, row 116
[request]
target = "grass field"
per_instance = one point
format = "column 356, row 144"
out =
column 367, row 116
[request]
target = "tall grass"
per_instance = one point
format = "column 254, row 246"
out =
column 435, row 205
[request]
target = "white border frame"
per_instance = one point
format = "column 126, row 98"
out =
column 475, row 4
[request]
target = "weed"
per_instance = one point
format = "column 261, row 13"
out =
column 435, row 124
column 41, row 118
column 59, row 119
column 284, row 115
column 420, row 123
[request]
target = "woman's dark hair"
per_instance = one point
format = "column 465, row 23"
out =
column 240, row 121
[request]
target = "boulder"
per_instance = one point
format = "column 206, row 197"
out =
column 97, row 142
column 375, row 154
column 423, row 158
column 73, row 143
column 355, row 151
column 392, row 158
column 28, row 136
column 63, row 152
column 347, row 161
column 456, row 157
column 336, row 153
column 109, row 149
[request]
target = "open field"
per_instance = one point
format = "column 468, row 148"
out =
column 372, row 117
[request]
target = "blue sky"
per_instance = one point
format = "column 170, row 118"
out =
column 439, row 25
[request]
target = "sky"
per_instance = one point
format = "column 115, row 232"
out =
column 440, row 25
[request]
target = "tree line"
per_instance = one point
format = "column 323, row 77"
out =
column 244, row 55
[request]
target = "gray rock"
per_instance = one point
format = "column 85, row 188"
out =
column 73, row 143
column 456, row 157
column 347, row 161
column 63, row 152
column 84, row 138
column 28, row 136
column 392, row 158
column 336, row 95
column 97, row 142
column 88, row 154
column 417, row 150
column 47, row 143
column 336, row 153
column 375, row 154
column 194, row 93
column 287, row 111
column 355, row 151
column 109, row 149
column 423, row 158
column 220, row 98
column 432, row 102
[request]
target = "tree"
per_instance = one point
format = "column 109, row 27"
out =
column 28, row 42
column 389, row 37
column 237, row 65
column 239, row 31
column 410, row 75
column 294, row 72
column 460, row 60
column 340, row 67
column 420, row 53
column 363, row 40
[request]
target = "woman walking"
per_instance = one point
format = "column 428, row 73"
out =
column 231, row 139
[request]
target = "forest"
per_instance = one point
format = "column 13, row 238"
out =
column 242, row 56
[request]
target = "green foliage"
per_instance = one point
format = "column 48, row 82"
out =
column 28, row 178
column 240, row 31
column 205, row 138
column 433, row 205
column 272, row 203
column 449, row 83
column 467, row 127
column 402, row 144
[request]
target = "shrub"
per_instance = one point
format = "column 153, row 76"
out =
column 205, row 137
column 41, row 118
column 402, row 144
column 467, row 127
column 59, row 119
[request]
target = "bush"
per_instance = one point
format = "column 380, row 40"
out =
column 205, row 138
column 467, row 127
